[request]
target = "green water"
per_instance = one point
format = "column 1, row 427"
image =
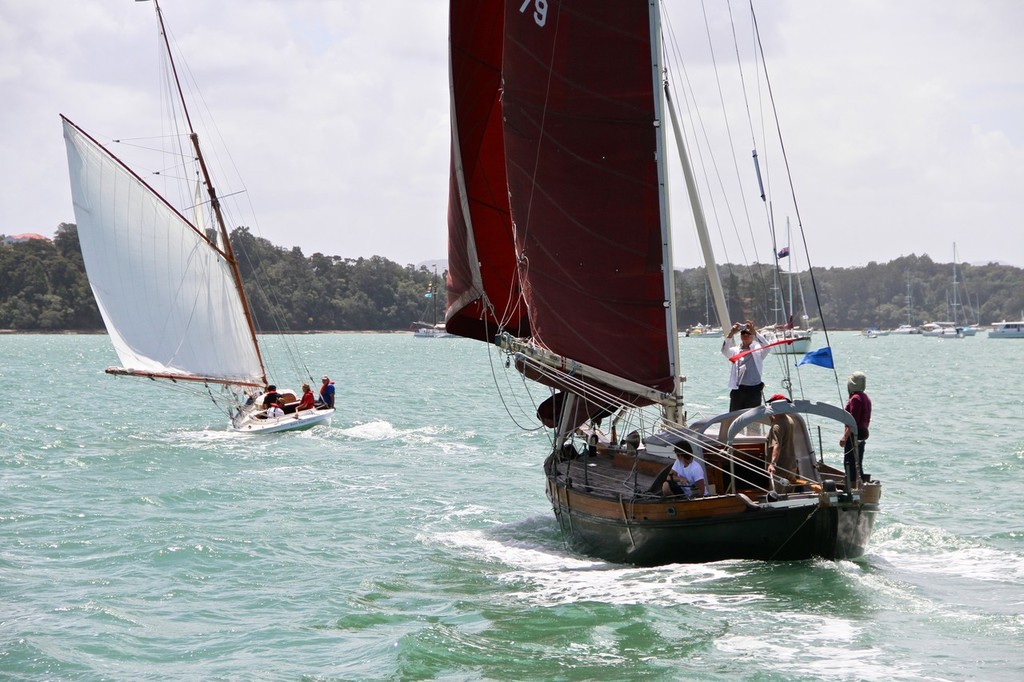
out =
column 412, row 539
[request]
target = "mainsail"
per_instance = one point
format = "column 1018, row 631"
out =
column 560, row 251
column 569, row 145
column 166, row 293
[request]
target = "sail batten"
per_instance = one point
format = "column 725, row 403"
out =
column 166, row 294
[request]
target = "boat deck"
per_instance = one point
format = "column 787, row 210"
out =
column 624, row 473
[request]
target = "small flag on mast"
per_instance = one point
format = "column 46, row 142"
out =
column 821, row 357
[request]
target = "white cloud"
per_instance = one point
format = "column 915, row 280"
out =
column 903, row 121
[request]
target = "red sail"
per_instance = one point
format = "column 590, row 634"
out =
column 554, row 132
column 483, row 295
column 580, row 133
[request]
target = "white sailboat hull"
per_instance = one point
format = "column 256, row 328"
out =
column 801, row 341
column 257, row 422
column 435, row 332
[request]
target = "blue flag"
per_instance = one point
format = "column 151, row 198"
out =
column 821, row 357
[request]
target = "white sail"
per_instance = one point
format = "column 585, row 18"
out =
column 167, row 296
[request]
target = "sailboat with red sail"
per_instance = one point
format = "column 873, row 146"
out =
column 560, row 253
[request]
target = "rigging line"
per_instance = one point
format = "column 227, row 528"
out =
column 224, row 152
column 793, row 534
column 491, row 348
column 759, row 270
column 603, row 398
column 728, row 127
column 792, row 189
column 746, row 103
column 689, row 99
column 596, row 394
column 513, row 300
column 743, row 83
column 174, row 108
column 148, row 148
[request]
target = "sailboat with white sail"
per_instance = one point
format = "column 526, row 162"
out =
column 963, row 323
column 908, row 328
column 560, row 253
column 432, row 329
column 954, row 328
column 705, row 330
column 796, row 338
column 169, row 291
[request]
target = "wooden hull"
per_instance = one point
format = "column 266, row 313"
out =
column 664, row 531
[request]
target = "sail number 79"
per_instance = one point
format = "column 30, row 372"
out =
column 540, row 10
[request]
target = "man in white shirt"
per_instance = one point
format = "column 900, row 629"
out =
column 745, row 376
column 687, row 475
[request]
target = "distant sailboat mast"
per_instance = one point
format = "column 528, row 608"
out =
column 910, row 310
column 956, row 302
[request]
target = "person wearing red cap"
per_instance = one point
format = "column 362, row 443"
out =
column 780, row 443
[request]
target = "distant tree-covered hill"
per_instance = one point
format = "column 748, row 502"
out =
column 908, row 290
column 43, row 287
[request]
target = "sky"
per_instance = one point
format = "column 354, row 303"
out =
column 903, row 121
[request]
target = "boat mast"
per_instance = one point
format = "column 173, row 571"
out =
column 909, row 308
column 433, row 297
column 672, row 413
column 229, row 253
column 717, row 292
column 789, row 272
column 955, row 286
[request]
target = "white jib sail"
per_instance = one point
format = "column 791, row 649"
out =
column 168, row 298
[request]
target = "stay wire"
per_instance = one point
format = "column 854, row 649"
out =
column 796, row 206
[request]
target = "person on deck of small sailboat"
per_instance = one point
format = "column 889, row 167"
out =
column 326, row 393
column 307, row 401
column 271, row 396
